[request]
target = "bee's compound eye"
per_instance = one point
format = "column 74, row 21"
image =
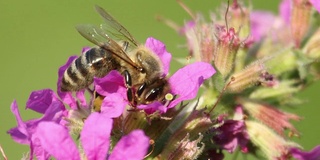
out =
column 153, row 94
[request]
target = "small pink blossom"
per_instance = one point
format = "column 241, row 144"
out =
column 95, row 139
column 298, row 154
column 232, row 133
column 53, row 111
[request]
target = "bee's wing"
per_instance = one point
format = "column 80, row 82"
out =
column 114, row 28
column 93, row 33
column 99, row 37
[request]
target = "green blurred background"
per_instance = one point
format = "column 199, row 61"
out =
column 37, row 36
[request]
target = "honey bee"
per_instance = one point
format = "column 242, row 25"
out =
column 141, row 68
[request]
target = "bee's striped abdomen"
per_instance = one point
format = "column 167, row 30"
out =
column 80, row 73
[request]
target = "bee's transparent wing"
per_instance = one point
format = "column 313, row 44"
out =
column 93, row 33
column 113, row 28
column 99, row 37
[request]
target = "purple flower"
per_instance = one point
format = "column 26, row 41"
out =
column 314, row 154
column 95, row 139
column 232, row 133
column 42, row 101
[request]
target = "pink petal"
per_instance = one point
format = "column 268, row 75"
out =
column 188, row 26
column 85, row 49
column 24, row 131
column 285, row 10
column 111, row 83
column 19, row 133
column 316, row 4
column 133, row 146
column 113, row 105
column 37, row 150
column 260, row 24
column 187, row 80
column 95, row 136
column 66, row 97
column 153, row 107
column 231, row 134
column 40, row 100
column 81, row 97
column 54, row 112
column 56, row 140
column 160, row 49
column 314, row 154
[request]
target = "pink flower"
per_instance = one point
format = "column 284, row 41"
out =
column 95, row 139
column 42, row 101
column 314, row 154
column 232, row 133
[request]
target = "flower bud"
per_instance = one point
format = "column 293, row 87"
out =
column 284, row 88
column 312, row 47
column 251, row 75
column 270, row 116
column 272, row 145
column 281, row 62
column 227, row 47
column 196, row 123
column 300, row 18
column 240, row 19
column 185, row 149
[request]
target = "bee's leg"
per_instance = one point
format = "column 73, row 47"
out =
column 141, row 89
column 130, row 96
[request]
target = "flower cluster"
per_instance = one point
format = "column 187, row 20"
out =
column 262, row 60
column 247, row 63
